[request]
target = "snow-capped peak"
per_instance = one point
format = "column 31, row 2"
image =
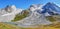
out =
column 13, row 7
column 51, row 8
column 10, row 8
column 35, row 7
column 8, row 13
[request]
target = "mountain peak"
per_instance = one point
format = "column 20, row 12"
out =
column 13, row 6
column 10, row 8
column 50, row 3
column 35, row 7
column 51, row 8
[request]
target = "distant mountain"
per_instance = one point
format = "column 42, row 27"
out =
column 51, row 9
column 7, row 9
column 8, row 13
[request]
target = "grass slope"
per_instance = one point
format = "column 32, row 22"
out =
column 51, row 26
column 21, row 16
column 7, row 26
column 51, row 18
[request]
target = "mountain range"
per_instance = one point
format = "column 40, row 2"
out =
column 35, row 15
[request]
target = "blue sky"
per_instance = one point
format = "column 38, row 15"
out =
column 24, row 4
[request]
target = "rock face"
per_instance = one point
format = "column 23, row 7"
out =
column 7, row 14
